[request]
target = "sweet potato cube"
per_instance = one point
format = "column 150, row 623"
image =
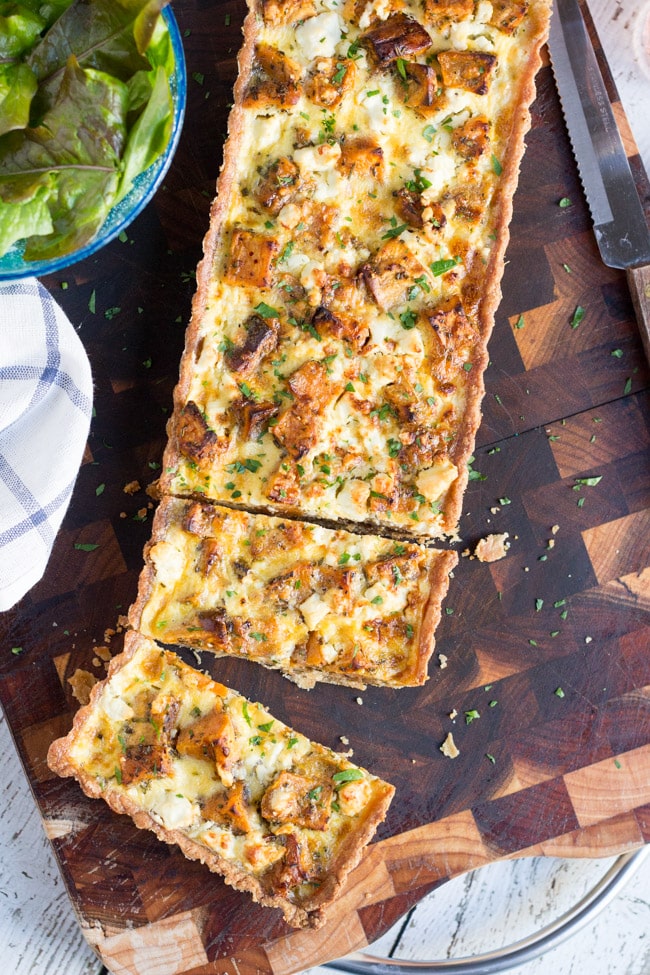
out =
column 362, row 156
column 440, row 13
column 260, row 339
column 471, row 139
column 278, row 12
column 298, row 800
column 251, row 259
column 390, row 274
column 508, row 14
column 422, row 89
column 470, row 70
column 399, row 36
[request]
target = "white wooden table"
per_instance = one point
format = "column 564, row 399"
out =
column 39, row 934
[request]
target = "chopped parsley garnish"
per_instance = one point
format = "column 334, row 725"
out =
column 266, row 311
column 578, row 315
column 266, row 727
column 428, row 132
column 347, row 775
column 408, row 319
column 395, row 230
column 441, row 267
column 339, row 75
column 471, row 716
column 394, row 447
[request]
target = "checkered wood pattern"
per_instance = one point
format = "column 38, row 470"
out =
column 549, row 646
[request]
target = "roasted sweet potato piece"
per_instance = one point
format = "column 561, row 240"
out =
column 390, row 274
column 454, row 338
column 232, row 808
column 199, row 519
column 145, row 741
column 292, row 587
column 393, row 569
column 440, row 13
column 195, row 438
column 279, row 185
column 252, row 417
column 399, row 36
column 470, row 70
column 298, row 800
column 471, row 139
column 283, row 486
column 469, row 202
column 274, row 79
column 212, row 737
column 261, row 338
column 362, row 156
column 341, row 326
column 329, row 80
column 292, row 870
column 277, row 12
column 250, row 261
column 421, row 90
column 298, row 427
column 409, row 207
column 508, row 14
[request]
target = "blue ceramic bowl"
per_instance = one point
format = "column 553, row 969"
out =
column 13, row 265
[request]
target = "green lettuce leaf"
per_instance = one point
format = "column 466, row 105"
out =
column 76, row 151
column 17, row 88
column 19, row 29
column 49, row 10
column 30, row 216
column 149, row 135
column 107, row 35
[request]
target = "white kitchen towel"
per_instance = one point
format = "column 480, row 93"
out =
column 45, row 410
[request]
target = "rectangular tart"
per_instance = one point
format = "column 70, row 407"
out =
column 202, row 767
column 334, row 361
column 317, row 603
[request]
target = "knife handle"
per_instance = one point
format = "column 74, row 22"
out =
column 638, row 279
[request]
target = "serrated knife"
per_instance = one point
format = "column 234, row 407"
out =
column 619, row 221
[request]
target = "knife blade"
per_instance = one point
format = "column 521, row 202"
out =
column 619, row 221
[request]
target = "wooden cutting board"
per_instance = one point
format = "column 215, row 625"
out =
column 550, row 646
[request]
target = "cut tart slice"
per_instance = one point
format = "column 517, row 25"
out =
column 334, row 362
column 274, row 813
column 317, row 603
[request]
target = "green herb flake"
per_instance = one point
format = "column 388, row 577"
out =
column 617, row 353
column 520, row 322
column 441, row 267
column 344, row 558
column 17, row 650
column 266, row 727
column 198, row 77
column 565, row 202
column 617, row 763
column 578, row 315
column 92, row 302
column 86, row 546
column 347, row 775
column 266, row 311
column 247, row 717
column 259, row 637
column 100, row 489
column 118, row 775
column 428, row 132
column 471, row 716
column 497, row 168
column 559, row 692
column 589, row 481
column 538, row 605
column 627, row 389
column 291, row 742
column 490, row 758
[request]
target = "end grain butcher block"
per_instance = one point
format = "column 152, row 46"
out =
column 542, row 657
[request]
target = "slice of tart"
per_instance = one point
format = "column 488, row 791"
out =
column 316, row 603
column 334, row 362
column 202, row 767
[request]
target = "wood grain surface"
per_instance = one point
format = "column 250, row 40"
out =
column 549, row 646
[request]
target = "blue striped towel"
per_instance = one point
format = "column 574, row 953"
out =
column 45, row 409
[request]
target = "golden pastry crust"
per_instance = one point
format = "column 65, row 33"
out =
column 275, row 814
column 349, row 239
column 315, row 603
